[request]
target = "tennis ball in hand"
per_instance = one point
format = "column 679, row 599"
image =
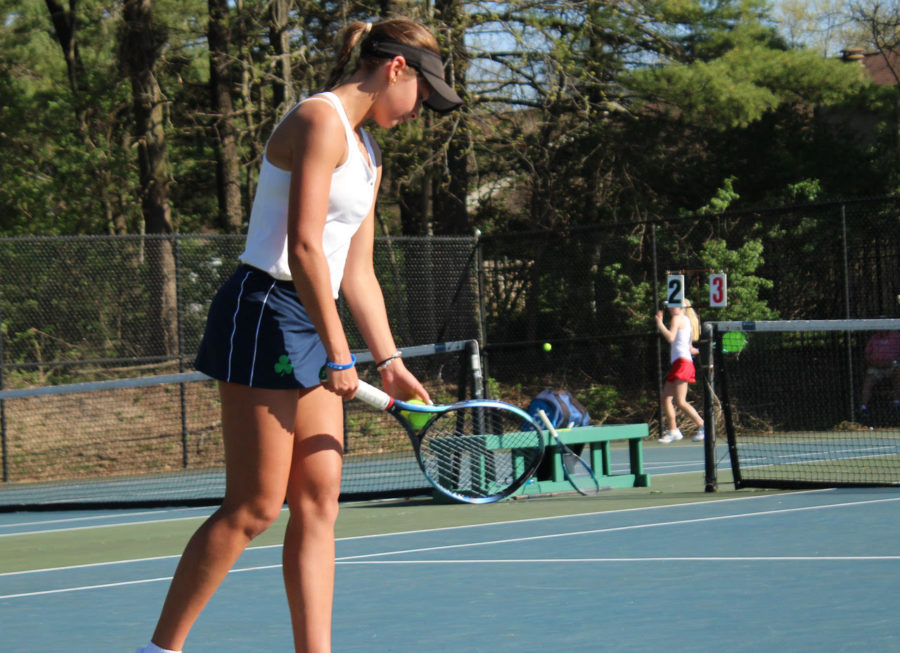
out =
column 418, row 420
column 547, row 346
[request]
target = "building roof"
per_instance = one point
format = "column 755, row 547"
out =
column 882, row 67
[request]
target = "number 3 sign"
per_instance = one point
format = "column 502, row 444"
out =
column 718, row 290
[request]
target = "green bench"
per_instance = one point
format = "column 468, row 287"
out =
column 598, row 439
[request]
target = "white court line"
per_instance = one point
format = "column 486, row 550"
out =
column 45, row 531
column 69, row 520
column 88, row 565
column 653, row 467
column 614, row 529
column 440, row 529
column 97, row 526
column 143, row 581
column 489, row 561
column 208, row 510
column 606, row 560
column 413, row 532
column 83, row 588
column 358, row 559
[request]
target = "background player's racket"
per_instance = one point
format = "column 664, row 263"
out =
column 475, row 451
column 582, row 477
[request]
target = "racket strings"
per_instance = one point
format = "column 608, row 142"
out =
column 578, row 472
column 480, row 451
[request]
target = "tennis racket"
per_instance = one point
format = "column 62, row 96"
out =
column 582, row 478
column 474, row 451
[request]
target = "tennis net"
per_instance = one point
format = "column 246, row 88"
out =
column 156, row 440
column 792, row 397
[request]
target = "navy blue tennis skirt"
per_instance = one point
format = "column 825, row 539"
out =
column 258, row 334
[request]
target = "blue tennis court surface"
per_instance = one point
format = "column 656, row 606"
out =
column 751, row 571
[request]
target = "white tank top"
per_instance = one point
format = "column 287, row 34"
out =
column 349, row 202
column 681, row 346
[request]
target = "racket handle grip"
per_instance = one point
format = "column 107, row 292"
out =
column 373, row 396
column 547, row 422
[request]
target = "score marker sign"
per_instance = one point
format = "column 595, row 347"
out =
column 718, row 290
column 675, row 290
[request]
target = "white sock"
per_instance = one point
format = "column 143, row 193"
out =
column 153, row 648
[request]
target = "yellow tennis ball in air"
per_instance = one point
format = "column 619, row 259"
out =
column 418, row 420
column 547, row 346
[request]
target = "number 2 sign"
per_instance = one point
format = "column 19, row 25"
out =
column 675, row 290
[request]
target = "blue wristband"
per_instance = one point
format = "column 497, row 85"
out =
column 338, row 366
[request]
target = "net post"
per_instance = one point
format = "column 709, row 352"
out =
column 707, row 358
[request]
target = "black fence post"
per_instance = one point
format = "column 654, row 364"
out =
column 846, row 247
column 182, row 388
column 659, row 370
column 3, row 443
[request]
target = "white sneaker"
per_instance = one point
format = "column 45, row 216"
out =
column 671, row 436
column 701, row 435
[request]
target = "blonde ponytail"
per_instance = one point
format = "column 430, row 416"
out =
column 695, row 321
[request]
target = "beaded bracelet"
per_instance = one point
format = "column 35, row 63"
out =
column 342, row 366
column 383, row 365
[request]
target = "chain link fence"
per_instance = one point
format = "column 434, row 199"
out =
column 79, row 309
column 85, row 316
column 591, row 292
column 86, row 308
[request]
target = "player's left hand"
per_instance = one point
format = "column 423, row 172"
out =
column 399, row 382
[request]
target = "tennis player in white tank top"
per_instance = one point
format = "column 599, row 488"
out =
column 311, row 234
column 683, row 329
column 258, row 333
column 351, row 198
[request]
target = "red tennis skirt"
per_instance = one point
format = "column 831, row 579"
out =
column 682, row 370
